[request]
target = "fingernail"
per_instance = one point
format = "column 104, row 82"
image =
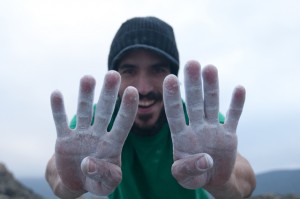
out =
column 205, row 162
column 90, row 165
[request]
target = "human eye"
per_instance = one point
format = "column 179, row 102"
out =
column 161, row 69
column 126, row 70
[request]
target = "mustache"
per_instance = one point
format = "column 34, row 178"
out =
column 151, row 96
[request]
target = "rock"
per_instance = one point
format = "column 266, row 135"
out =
column 10, row 188
column 275, row 196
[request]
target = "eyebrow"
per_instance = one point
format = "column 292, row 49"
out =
column 126, row 66
column 161, row 64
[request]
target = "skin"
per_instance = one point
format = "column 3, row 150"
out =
column 205, row 151
column 88, row 158
column 146, row 72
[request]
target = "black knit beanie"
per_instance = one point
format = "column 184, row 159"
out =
column 144, row 32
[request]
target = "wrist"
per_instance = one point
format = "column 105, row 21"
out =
column 229, row 189
column 63, row 191
column 56, row 184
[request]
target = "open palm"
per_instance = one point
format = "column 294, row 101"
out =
column 88, row 158
column 204, row 150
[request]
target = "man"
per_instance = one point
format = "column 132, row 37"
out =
column 141, row 140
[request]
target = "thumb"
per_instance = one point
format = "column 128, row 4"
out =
column 187, row 169
column 102, row 177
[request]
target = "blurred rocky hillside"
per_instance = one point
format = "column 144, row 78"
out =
column 275, row 197
column 10, row 188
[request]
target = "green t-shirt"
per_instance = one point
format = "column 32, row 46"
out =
column 146, row 168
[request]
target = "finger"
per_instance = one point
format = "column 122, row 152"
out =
column 126, row 115
column 211, row 93
column 193, row 92
column 85, row 102
column 188, row 171
column 102, row 176
column 235, row 109
column 106, row 102
column 59, row 114
column 173, row 104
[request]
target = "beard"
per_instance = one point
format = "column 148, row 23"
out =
column 150, row 130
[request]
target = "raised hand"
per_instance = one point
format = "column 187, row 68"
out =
column 204, row 150
column 88, row 158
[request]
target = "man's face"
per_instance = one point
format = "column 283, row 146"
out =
column 146, row 72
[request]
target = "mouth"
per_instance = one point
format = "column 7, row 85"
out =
column 146, row 103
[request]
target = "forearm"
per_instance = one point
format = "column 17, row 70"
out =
column 57, row 186
column 240, row 184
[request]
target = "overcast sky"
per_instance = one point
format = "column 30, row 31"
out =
column 48, row 45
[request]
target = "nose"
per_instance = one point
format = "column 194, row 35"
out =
column 144, row 85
